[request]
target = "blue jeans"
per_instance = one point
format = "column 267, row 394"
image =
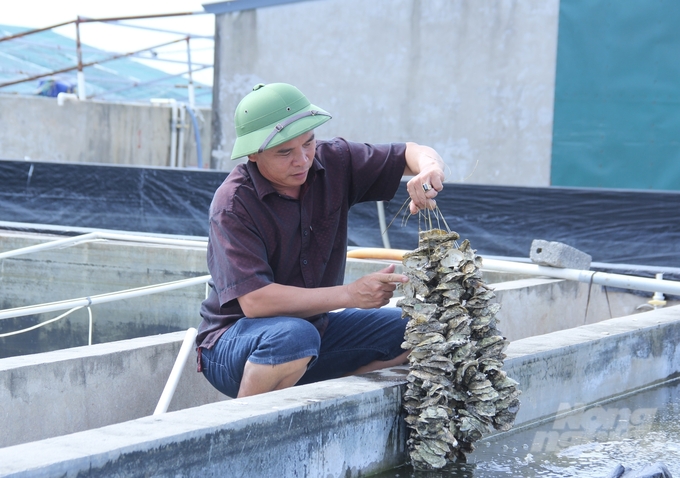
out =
column 354, row 338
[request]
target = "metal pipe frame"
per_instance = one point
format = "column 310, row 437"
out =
column 81, row 65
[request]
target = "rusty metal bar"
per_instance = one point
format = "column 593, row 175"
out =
column 90, row 20
column 64, row 70
column 140, row 17
column 30, row 32
column 104, row 94
column 162, row 30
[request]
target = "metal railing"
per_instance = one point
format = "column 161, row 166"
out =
column 80, row 64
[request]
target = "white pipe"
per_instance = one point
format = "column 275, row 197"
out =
column 102, row 298
column 601, row 278
column 173, row 135
column 173, row 126
column 658, row 295
column 383, row 224
column 176, row 373
column 62, row 97
column 89, row 335
column 181, row 128
column 93, row 236
column 190, row 86
column 81, row 85
column 69, row 241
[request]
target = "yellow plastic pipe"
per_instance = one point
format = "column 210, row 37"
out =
column 377, row 253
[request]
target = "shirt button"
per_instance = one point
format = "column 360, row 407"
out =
column 305, row 233
column 304, row 262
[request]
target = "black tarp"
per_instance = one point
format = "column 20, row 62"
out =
column 158, row 200
column 613, row 226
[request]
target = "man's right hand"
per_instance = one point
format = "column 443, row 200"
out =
column 376, row 289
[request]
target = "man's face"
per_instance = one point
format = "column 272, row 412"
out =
column 286, row 165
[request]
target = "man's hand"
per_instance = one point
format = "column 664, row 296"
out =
column 374, row 290
column 427, row 169
column 423, row 188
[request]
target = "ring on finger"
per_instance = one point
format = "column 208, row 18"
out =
column 426, row 187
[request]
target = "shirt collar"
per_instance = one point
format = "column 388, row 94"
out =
column 263, row 187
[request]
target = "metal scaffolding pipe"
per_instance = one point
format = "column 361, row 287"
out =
column 79, row 54
column 90, row 20
column 84, row 65
column 162, row 30
column 167, row 77
column 37, row 30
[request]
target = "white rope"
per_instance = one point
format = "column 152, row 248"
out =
column 42, row 324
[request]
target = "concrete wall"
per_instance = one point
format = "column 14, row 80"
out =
column 352, row 426
column 94, row 132
column 530, row 306
column 475, row 80
column 66, row 391
column 90, row 269
column 594, row 362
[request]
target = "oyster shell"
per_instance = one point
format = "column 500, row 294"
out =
column 456, row 389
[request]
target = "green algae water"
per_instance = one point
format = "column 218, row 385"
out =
column 633, row 431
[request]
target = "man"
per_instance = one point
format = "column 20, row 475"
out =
column 278, row 313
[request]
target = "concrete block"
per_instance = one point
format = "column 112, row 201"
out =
column 557, row 254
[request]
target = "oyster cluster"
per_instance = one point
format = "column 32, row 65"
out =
column 456, row 390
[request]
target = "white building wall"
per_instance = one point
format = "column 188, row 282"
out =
column 473, row 79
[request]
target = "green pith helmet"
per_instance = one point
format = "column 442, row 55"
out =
column 273, row 114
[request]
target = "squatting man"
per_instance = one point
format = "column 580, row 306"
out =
column 278, row 313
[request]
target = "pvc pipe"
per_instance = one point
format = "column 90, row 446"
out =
column 594, row 277
column 173, row 134
column 93, row 236
column 658, row 295
column 383, row 224
column 197, row 136
column 587, row 276
column 62, row 97
column 180, row 127
column 176, row 373
column 81, row 86
column 89, row 334
column 376, row 253
column 102, row 298
column 49, row 245
column 190, row 86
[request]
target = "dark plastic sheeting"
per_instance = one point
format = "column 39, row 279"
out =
column 159, row 200
column 615, row 226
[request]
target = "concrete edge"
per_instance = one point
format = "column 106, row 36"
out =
column 94, row 452
column 154, row 443
column 591, row 332
column 85, row 351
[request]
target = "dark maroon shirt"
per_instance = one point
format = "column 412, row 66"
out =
column 258, row 236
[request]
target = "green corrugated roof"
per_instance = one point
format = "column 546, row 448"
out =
column 113, row 80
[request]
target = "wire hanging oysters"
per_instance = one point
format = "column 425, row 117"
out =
column 456, row 389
